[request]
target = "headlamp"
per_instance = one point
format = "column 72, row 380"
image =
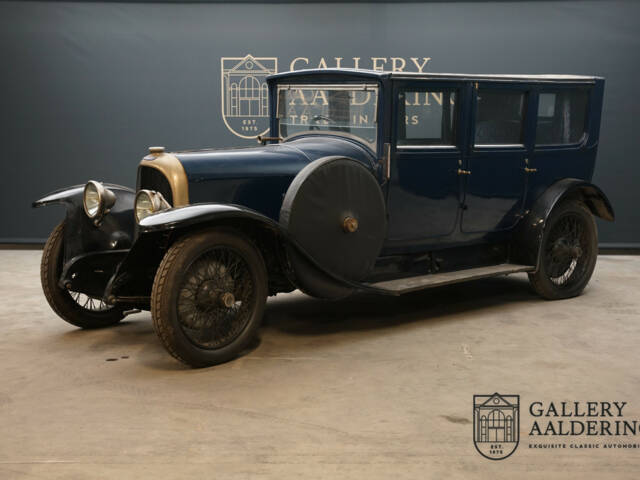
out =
column 149, row 202
column 97, row 200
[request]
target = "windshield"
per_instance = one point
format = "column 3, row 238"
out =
column 350, row 109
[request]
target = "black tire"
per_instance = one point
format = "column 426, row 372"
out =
column 187, row 303
column 64, row 303
column 569, row 250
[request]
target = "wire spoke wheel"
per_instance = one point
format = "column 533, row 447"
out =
column 566, row 250
column 77, row 308
column 208, row 296
column 84, row 301
column 214, row 302
column 90, row 303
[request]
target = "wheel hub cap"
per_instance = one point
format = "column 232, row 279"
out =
column 227, row 299
column 215, row 299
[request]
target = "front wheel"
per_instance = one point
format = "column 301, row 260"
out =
column 568, row 252
column 74, row 307
column 208, row 297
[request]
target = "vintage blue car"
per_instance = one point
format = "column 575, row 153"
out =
column 367, row 181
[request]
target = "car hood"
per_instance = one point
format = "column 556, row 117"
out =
column 259, row 177
column 285, row 159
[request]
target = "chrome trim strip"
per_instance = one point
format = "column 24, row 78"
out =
column 427, row 147
column 499, row 145
column 333, row 86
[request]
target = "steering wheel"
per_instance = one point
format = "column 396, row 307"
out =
column 317, row 118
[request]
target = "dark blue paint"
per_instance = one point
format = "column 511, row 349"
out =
column 555, row 163
column 495, row 190
column 429, row 205
column 259, row 177
column 425, row 191
column 423, row 196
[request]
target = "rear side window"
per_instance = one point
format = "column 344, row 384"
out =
column 499, row 117
column 562, row 117
column 429, row 117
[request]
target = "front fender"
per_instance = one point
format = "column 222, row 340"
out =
column 134, row 277
column 200, row 214
column 92, row 252
column 528, row 235
column 66, row 196
column 82, row 236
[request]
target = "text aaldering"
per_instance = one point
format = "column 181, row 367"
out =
column 581, row 418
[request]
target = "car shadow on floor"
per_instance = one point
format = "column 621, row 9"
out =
column 303, row 316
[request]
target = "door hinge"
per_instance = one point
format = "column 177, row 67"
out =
column 464, row 172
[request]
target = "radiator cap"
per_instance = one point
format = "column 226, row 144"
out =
column 156, row 150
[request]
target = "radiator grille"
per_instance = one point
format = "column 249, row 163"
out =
column 152, row 179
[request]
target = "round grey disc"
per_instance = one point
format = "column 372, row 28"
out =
column 320, row 198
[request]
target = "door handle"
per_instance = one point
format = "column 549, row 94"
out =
column 464, row 172
column 526, row 167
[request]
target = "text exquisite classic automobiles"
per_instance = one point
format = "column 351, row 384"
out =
column 368, row 181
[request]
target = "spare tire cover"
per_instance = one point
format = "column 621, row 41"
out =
column 320, row 198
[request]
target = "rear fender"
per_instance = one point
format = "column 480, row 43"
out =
column 528, row 235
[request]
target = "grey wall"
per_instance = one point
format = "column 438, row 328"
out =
column 86, row 87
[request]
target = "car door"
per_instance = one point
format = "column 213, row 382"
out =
column 495, row 164
column 424, row 186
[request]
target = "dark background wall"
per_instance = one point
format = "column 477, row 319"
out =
column 85, row 88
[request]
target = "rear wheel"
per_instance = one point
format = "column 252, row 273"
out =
column 569, row 250
column 74, row 307
column 208, row 297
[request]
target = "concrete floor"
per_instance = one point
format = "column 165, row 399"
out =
column 365, row 388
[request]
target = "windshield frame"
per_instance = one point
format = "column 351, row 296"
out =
column 346, row 85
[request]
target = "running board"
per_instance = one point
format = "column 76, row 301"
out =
column 411, row 284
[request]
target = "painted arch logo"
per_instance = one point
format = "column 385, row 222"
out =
column 496, row 425
column 245, row 97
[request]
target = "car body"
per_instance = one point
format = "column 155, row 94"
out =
column 368, row 181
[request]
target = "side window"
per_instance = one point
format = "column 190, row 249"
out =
column 562, row 117
column 499, row 117
column 427, row 117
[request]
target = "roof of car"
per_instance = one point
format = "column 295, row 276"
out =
column 434, row 76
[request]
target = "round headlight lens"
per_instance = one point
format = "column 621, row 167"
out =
column 92, row 199
column 148, row 202
column 144, row 205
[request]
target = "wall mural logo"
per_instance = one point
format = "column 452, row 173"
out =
column 245, row 98
column 496, row 425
